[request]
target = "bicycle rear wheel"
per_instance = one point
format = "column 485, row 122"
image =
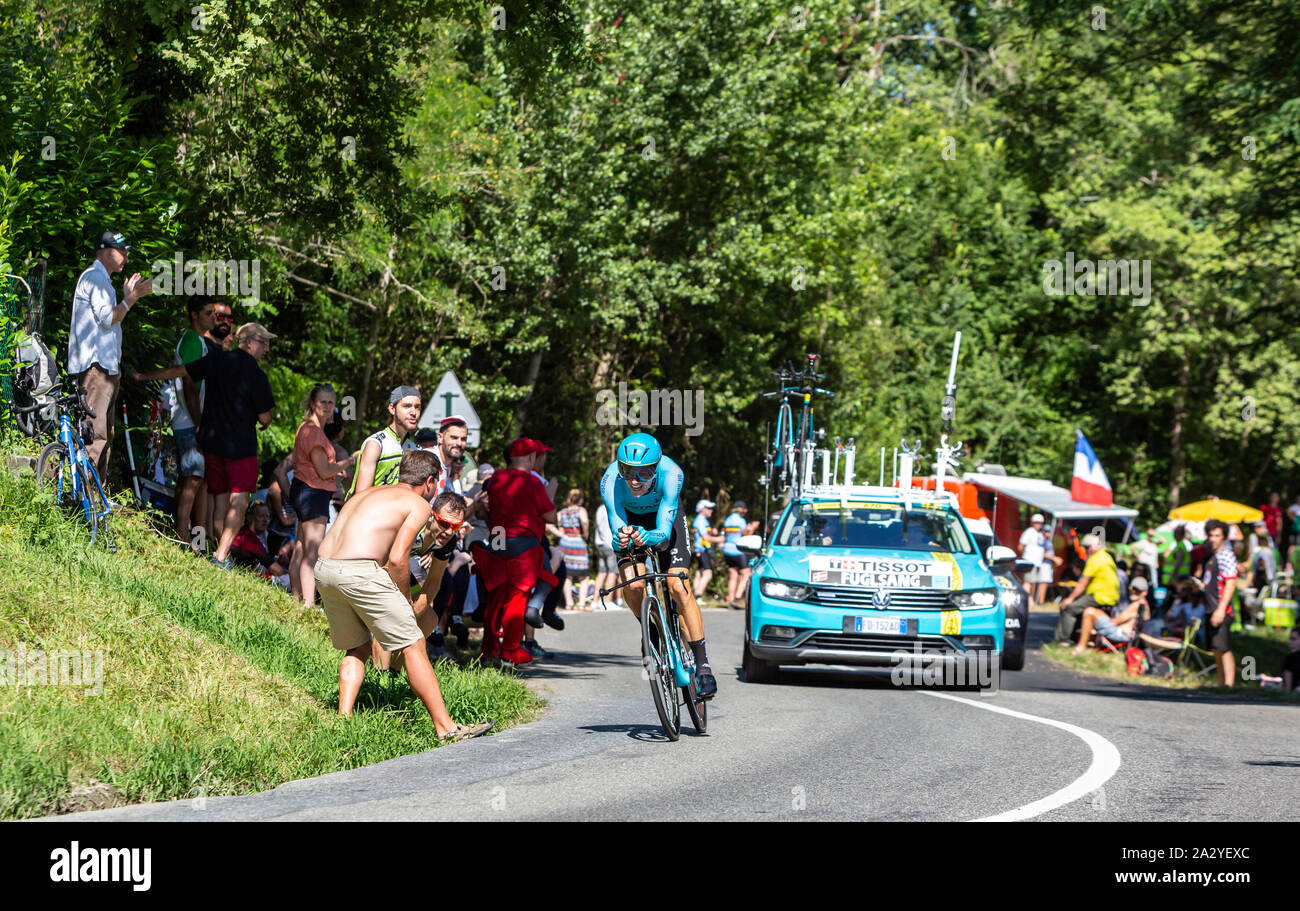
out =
column 663, row 685
column 93, row 501
column 696, row 707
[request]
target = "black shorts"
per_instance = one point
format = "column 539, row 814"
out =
column 677, row 548
column 309, row 502
column 1219, row 638
column 739, row 561
column 704, row 558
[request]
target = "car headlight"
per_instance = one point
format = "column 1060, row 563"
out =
column 973, row 598
column 1009, row 598
column 786, row 591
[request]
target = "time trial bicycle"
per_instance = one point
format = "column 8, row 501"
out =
column 668, row 661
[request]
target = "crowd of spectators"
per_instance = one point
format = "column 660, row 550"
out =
column 1202, row 589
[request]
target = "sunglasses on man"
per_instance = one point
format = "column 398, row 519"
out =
column 453, row 525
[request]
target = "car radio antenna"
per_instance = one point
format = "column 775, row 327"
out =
column 948, row 454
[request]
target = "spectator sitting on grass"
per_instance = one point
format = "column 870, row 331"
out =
column 250, row 547
column 1186, row 608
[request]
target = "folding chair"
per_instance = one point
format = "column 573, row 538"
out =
column 1185, row 652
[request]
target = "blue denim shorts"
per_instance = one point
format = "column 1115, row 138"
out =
column 189, row 458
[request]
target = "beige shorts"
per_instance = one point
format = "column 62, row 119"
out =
column 361, row 600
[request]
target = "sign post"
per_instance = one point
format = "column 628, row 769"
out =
column 449, row 399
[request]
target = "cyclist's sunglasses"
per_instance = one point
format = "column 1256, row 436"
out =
column 642, row 473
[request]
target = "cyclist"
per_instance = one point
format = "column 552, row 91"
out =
column 641, row 489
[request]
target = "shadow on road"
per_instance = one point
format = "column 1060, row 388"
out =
column 645, row 733
column 569, row 664
column 845, row 678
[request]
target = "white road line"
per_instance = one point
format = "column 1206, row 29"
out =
column 1105, row 763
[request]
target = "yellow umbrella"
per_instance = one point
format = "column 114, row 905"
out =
column 1223, row 510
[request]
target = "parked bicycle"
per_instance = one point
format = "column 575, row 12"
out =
column 65, row 466
column 668, row 661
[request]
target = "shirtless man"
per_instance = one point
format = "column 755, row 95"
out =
column 362, row 573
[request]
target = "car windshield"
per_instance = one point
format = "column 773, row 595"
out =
column 883, row 526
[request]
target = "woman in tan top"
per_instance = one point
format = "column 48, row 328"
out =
column 314, row 484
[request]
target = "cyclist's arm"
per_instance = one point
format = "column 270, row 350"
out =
column 668, row 507
column 612, row 507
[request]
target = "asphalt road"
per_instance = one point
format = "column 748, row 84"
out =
column 821, row 744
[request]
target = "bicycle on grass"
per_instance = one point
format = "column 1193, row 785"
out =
column 668, row 661
column 65, row 466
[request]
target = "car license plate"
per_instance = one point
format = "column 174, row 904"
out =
column 888, row 626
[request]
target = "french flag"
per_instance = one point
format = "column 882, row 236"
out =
column 1089, row 484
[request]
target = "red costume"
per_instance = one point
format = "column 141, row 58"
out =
column 516, row 503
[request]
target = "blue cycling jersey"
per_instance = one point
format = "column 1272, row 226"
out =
column 661, row 501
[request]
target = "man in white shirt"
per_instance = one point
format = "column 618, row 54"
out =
column 1147, row 551
column 1033, row 548
column 95, row 340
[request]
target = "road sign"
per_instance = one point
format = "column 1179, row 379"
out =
column 449, row 399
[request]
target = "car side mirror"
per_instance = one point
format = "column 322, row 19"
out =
column 1024, row 566
column 1000, row 556
column 750, row 544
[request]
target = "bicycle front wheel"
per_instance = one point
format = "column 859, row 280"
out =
column 53, row 469
column 663, row 685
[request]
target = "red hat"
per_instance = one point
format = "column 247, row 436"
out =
column 520, row 448
column 539, row 446
column 454, row 419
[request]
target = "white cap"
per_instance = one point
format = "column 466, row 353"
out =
column 704, row 504
column 1091, row 541
column 1036, row 517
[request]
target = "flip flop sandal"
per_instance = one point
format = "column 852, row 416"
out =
column 466, row 731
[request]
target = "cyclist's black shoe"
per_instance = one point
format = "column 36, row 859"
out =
column 706, row 685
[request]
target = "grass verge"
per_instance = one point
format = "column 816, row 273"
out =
column 1265, row 648
column 209, row 683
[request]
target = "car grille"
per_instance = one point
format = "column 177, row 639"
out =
column 867, row 643
column 899, row 599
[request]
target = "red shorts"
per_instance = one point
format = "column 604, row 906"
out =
column 230, row 475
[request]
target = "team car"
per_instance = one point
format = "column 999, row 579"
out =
column 878, row 578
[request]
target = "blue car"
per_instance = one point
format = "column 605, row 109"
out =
column 863, row 576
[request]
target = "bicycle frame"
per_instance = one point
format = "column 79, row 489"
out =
column 80, row 470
